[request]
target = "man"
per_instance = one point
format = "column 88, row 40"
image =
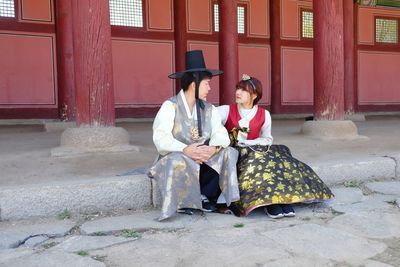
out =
column 196, row 167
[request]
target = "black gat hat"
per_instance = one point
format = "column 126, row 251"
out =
column 195, row 63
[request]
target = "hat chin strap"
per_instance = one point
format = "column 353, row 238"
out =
column 199, row 102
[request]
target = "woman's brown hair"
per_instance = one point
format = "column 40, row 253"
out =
column 251, row 85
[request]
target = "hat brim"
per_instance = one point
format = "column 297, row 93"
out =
column 179, row 74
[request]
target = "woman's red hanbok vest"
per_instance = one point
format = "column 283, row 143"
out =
column 255, row 124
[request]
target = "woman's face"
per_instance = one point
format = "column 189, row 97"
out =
column 244, row 98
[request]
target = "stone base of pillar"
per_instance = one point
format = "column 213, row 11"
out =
column 329, row 130
column 58, row 126
column 354, row 117
column 75, row 141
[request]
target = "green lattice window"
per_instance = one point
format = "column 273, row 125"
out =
column 240, row 18
column 7, row 8
column 307, row 24
column 386, row 30
column 126, row 13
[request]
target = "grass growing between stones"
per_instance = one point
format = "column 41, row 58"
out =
column 130, row 234
column 65, row 214
column 98, row 234
column 49, row 245
column 82, row 253
column 353, row 183
column 238, row 225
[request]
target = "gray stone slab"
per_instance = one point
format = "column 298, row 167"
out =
column 323, row 242
column 387, row 188
column 10, row 254
column 330, row 129
column 93, row 139
column 369, row 225
column 138, row 222
column 143, row 221
column 313, row 210
column 299, row 262
column 13, row 233
column 345, row 195
column 371, row 263
column 125, row 192
column 361, row 169
column 372, row 203
column 86, row 243
column 398, row 202
column 397, row 159
column 52, row 258
column 36, row 240
column 213, row 247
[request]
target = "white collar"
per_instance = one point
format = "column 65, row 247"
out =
column 190, row 115
column 247, row 113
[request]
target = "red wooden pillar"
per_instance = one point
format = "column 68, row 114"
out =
column 228, row 50
column 349, row 39
column 180, row 36
column 275, row 22
column 65, row 60
column 328, row 60
column 93, row 63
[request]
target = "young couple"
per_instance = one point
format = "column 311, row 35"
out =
column 202, row 164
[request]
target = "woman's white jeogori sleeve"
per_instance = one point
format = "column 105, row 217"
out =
column 162, row 130
column 223, row 113
column 219, row 135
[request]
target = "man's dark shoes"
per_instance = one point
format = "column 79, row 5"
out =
column 187, row 211
column 274, row 211
column 288, row 210
column 207, row 206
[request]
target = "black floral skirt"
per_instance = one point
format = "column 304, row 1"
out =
column 273, row 176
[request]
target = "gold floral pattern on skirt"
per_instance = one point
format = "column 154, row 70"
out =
column 273, row 176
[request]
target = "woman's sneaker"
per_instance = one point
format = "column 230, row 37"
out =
column 274, row 211
column 288, row 210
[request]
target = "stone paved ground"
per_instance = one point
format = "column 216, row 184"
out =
column 360, row 228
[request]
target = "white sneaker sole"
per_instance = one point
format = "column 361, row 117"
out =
column 278, row 216
column 206, row 210
column 275, row 216
column 290, row 214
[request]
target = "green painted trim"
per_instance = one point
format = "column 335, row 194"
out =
column 392, row 3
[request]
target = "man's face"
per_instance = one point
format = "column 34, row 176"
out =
column 204, row 88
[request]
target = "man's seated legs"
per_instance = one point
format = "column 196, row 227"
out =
column 209, row 187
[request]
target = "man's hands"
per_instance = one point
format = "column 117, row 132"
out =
column 199, row 152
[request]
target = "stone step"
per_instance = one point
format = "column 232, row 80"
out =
column 138, row 192
column 94, row 195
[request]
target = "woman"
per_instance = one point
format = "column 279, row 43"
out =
column 268, row 175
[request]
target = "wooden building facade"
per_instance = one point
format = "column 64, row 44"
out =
column 275, row 44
